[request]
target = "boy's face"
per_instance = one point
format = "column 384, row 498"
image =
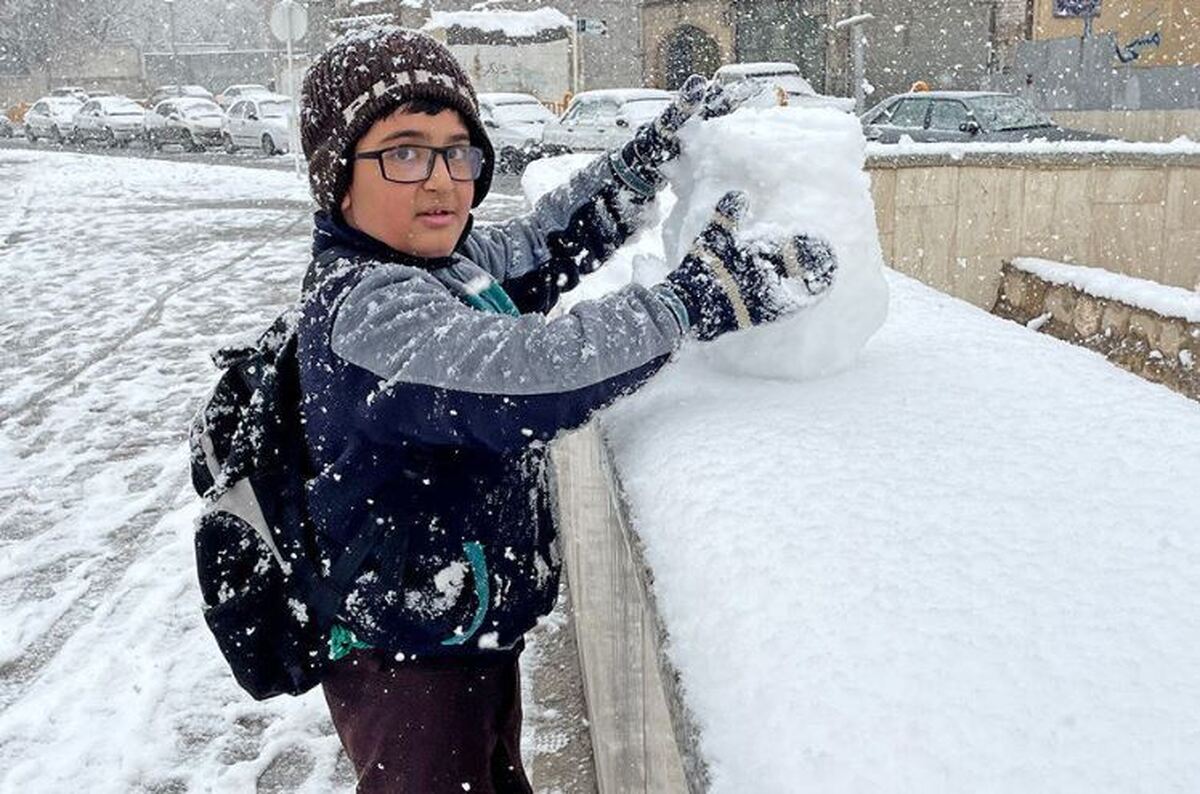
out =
column 419, row 218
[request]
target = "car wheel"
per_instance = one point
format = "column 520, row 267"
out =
column 30, row 135
column 56, row 135
column 110, row 137
column 154, row 142
column 230, row 146
column 193, row 145
column 268, row 145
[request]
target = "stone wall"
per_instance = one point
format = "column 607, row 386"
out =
column 952, row 219
column 642, row 735
column 1161, row 349
column 1134, row 125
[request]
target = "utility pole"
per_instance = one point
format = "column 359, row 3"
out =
column 855, row 23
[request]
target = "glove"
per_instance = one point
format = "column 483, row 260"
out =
column 725, row 285
column 639, row 162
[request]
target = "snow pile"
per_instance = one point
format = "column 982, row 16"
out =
column 514, row 24
column 1100, row 283
column 803, row 172
column 1179, row 146
column 969, row 563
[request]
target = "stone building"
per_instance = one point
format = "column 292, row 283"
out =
column 951, row 43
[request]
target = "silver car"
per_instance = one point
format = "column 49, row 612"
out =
column 112, row 120
column 52, row 118
column 260, row 122
column 785, row 80
column 193, row 123
column 514, row 124
column 966, row 116
column 603, row 119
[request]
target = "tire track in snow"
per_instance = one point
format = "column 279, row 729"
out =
column 131, row 538
column 148, row 321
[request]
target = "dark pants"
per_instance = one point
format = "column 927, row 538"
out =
column 429, row 726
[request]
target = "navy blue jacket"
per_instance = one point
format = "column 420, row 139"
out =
column 428, row 401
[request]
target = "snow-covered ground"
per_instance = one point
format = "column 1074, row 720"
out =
column 1098, row 282
column 120, row 277
column 971, row 562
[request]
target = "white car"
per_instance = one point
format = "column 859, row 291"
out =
column 785, row 79
column 191, row 122
column 52, row 117
column 235, row 92
column 260, row 122
column 514, row 124
column 112, row 120
column 603, row 119
column 73, row 91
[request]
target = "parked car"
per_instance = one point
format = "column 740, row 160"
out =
column 514, row 123
column 235, row 92
column 52, row 117
column 73, row 91
column 112, row 120
column 176, row 92
column 964, row 116
column 191, row 122
column 785, row 79
column 260, row 122
column 7, row 129
column 603, row 119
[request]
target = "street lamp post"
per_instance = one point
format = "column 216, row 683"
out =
column 855, row 24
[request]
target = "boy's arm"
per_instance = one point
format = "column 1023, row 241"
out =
column 575, row 228
column 438, row 372
column 570, row 232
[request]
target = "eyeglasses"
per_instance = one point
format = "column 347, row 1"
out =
column 411, row 163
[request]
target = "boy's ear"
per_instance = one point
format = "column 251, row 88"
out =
column 345, row 202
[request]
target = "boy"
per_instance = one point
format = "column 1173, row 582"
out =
column 432, row 381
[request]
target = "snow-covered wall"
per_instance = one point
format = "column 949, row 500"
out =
column 1147, row 328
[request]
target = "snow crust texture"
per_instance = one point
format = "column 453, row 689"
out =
column 1167, row 301
column 969, row 563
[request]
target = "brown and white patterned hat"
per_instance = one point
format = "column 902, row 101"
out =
column 362, row 77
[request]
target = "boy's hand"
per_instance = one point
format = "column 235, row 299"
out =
column 726, row 285
column 657, row 141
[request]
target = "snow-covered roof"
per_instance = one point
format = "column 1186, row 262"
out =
column 515, row 24
column 625, row 94
column 760, row 68
column 502, row 98
column 1166, row 300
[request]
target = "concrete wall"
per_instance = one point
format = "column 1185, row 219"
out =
column 637, row 723
column 539, row 68
column 1135, row 125
column 952, row 222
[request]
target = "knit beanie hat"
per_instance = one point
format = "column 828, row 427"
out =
column 361, row 78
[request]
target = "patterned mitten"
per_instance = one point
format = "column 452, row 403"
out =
column 726, row 285
column 638, row 163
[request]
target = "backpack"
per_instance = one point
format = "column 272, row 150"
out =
column 269, row 599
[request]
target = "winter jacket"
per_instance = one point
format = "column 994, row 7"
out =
column 430, row 388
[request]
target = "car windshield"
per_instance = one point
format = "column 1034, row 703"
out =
column 122, row 107
column 643, row 109
column 63, row 103
column 273, row 110
column 199, row 109
column 522, row 113
column 1007, row 113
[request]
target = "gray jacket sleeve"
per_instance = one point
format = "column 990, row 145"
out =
column 571, row 231
column 444, row 373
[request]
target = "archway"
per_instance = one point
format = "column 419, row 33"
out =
column 688, row 50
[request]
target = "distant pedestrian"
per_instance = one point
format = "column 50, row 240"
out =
column 432, row 381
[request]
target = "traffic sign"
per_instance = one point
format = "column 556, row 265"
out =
column 591, row 27
column 289, row 21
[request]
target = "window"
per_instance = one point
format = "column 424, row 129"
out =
column 947, row 115
column 237, row 110
column 606, row 111
column 40, row 107
column 165, row 109
column 910, row 113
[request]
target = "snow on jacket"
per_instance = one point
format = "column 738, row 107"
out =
column 428, row 400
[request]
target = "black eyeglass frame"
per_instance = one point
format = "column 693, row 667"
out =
column 377, row 156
